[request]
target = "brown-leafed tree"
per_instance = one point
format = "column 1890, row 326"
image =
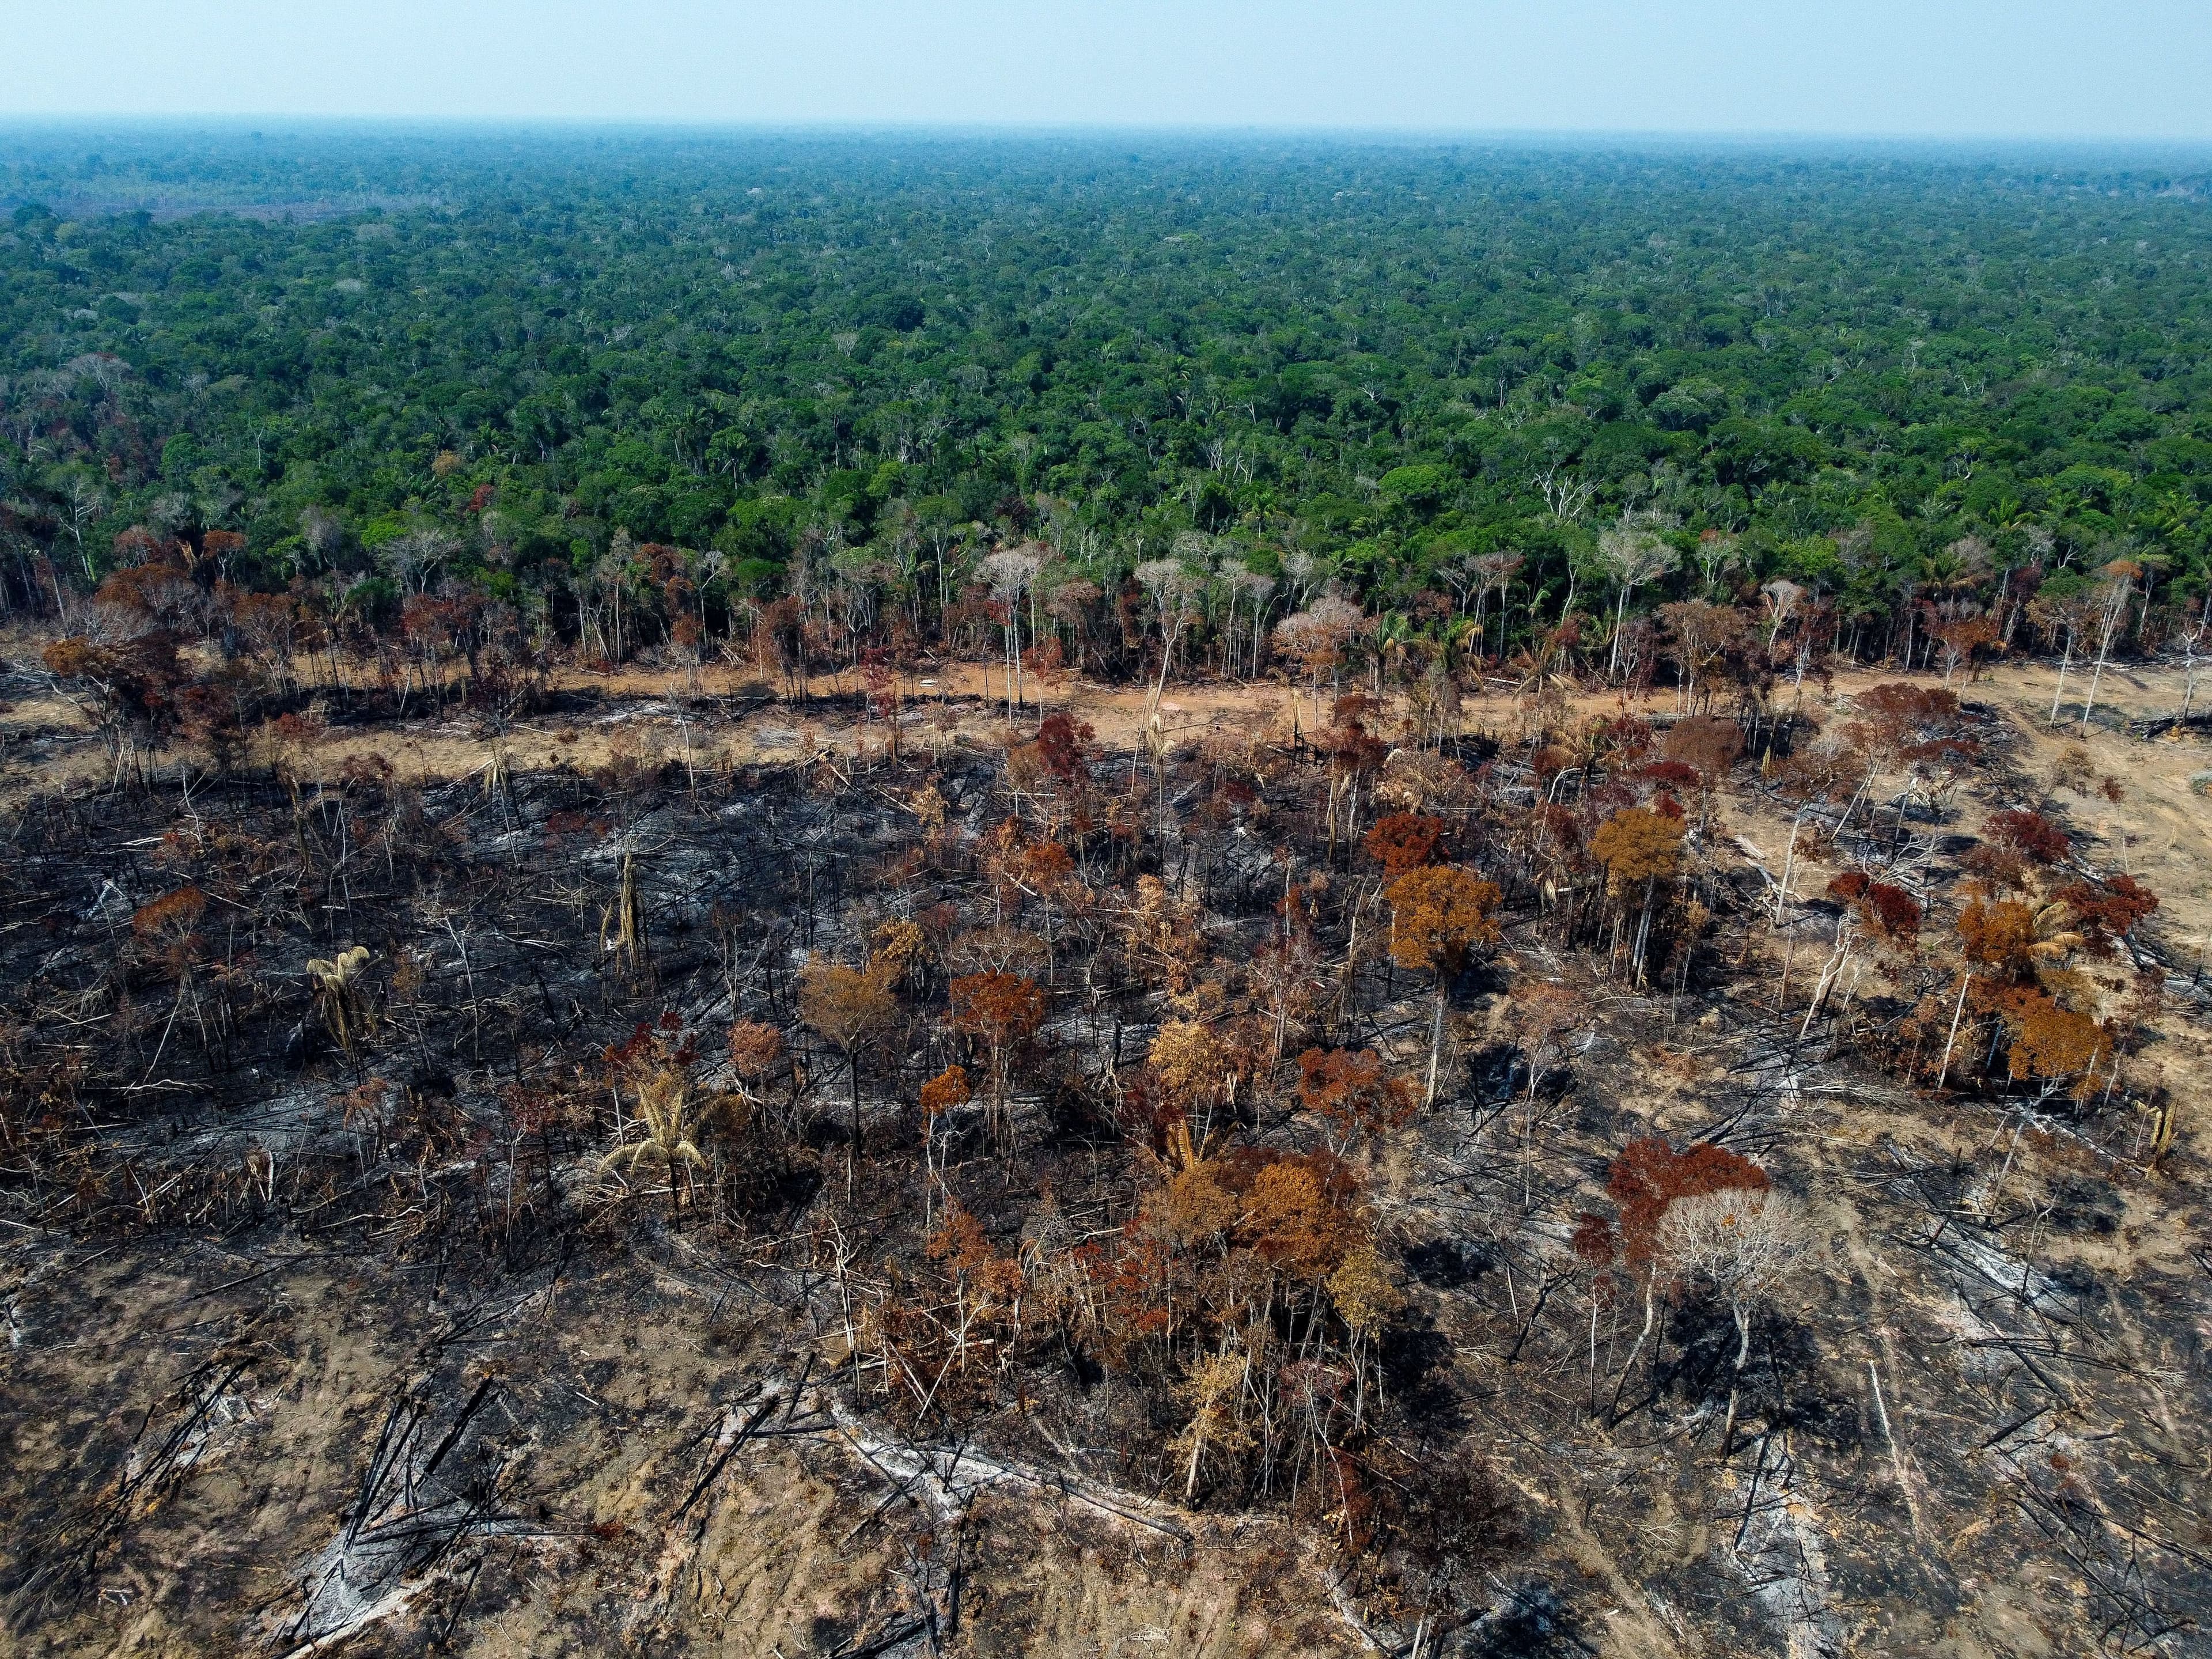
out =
column 847, row 1007
column 757, row 1053
column 941, row 1097
column 1708, row 746
column 1543, row 1015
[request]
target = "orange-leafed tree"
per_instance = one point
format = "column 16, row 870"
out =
column 1439, row 916
column 2052, row 1045
column 1639, row 848
column 1999, row 936
column 1064, row 746
column 2004, row 943
column 1888, row 912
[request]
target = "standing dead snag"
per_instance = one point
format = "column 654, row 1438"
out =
column 2114, row 590
column 1438, row 915
column 622, row 928
column 1916, row 729
column 1355, row 757
column 1873, row 909
column 134, row 683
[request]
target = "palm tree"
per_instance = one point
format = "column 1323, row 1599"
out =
column 662, row 1102
column 339, row 992
column 1393, row 637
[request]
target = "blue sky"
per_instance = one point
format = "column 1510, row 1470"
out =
column 2124, row 68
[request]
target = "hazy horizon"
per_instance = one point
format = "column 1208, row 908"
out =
column 1878, row 71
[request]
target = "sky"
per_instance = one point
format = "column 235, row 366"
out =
column 2012, row 69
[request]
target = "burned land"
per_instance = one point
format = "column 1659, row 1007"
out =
column 651, row 1163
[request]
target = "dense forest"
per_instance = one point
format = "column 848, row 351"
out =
column 636, row 389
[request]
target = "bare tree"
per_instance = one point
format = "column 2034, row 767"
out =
column 1174, row 592
column 413, row 561
column 2112, row 595
column 84, row 503
column 1716, row 555
column 1782, row 598
column 1741, row 1241
column 1011, row 572
column 1259, row 589
column 2192, row 636
column 1631, row 553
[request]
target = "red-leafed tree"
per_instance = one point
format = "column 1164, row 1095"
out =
column 2105, row 913
column 1352, row 1093
column 1401, row 842
column 1000, row 1011
column 2030, row 835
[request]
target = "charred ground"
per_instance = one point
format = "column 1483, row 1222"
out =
column 1299, row 1199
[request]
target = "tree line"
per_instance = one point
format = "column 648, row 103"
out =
column 660, row 395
